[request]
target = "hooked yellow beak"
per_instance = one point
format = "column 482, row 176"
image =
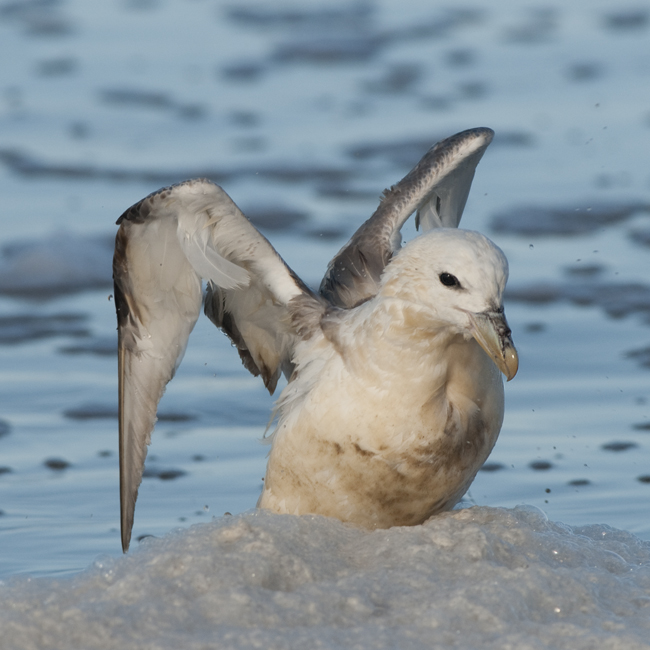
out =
column 491, row 331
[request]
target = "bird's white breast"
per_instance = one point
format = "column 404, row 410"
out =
column 386, row 422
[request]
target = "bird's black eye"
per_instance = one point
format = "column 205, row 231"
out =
column 449, row 280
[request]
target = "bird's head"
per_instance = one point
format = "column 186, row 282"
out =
column 457, row 277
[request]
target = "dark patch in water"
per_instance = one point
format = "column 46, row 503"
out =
column 245, row 119
column 248, row 143
column 28, row 327
column 617, row 300
column 315, row 34
column 150, row 100
column 275, row 218
column 237, row 409
column 356, row 18
column 5, row 428
column 626, row 20
column 162, row 474
column 585, row 270
column 579, row 482
column 328, row 49
column 324, row 17
column 101, row 347
column 136, row 98
column 473, row 90
column 436, row 102
column 492, row 467
column 91, row 412
column 170, row 416
column 54, row 265
column 56, row 464
column 58, row 67
column 244, row 72
column 618, row 445
column 79, row 130
column 26, row 165
column 105, row 453
column 296, row 173
column 460, row 58
column 441, row 26
column 325, row 35
column 640, row 355
column 514, row 139
column 644, row 478
column 191, row 111
column 536, row 221
column 540, row 27
column 641, row 426
column 399, row 78
column 326, row 233
column 347, row 191
column 640, row 236
column 585, row 71
column 38, row 17
column 5, row 470
column 396, row 152
column 540, row 465
column 534, row 328
column 103, row 412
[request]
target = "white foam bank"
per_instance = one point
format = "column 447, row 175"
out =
column 475, row 578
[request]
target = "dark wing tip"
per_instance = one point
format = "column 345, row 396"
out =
column 126, row 539
column 139, row 212
column 484, row 132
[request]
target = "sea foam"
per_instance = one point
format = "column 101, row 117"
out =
column 477, row 577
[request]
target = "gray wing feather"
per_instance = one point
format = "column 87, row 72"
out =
column 437, row 188
column 157, row 304
column 167, row 243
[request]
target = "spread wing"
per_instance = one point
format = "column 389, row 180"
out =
column 166, row 244
column 436, row 188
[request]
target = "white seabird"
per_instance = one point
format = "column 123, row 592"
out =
column 394, row 397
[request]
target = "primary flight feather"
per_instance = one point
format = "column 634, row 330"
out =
column 394, row 397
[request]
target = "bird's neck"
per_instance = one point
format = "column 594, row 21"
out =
column 380, row 338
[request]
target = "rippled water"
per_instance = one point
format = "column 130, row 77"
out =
column 304, row 112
